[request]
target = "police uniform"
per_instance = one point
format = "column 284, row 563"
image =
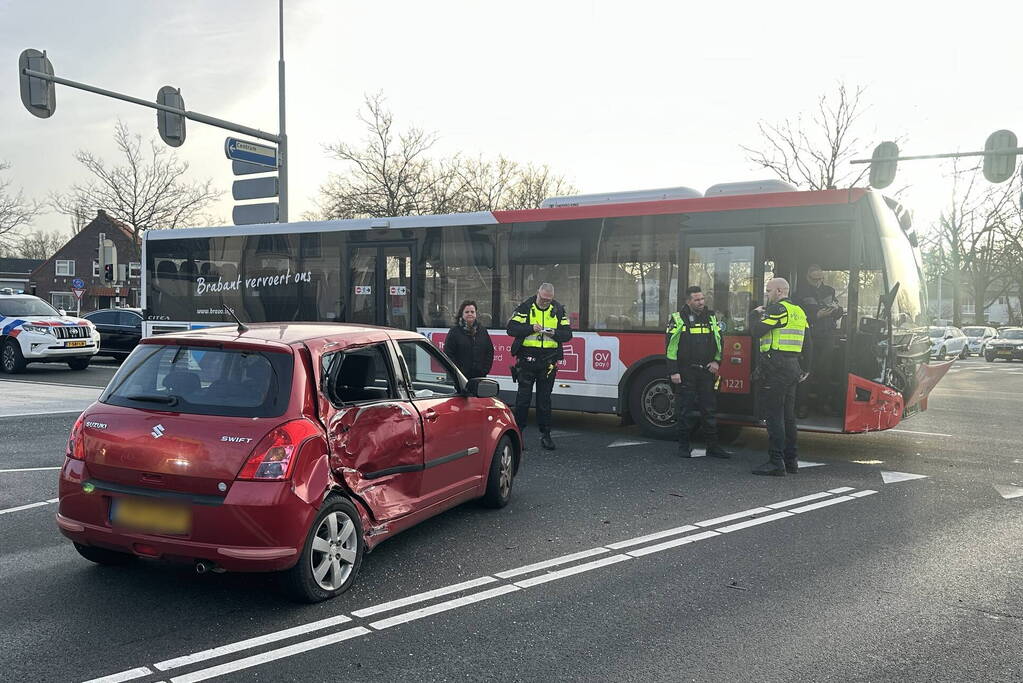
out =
column 785, row 354
column 693, row 342
column 537, row 355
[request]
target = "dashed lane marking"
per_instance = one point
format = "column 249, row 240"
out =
column 423, row 597
column 29, row 469
column 906, row 431
column 29, row 506
column 570, row 571
column 443, row 606
column 625, row 442
column 1007, row 491
column 129, row 675
column 564, row 559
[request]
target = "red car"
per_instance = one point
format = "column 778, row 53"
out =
column 280, row 447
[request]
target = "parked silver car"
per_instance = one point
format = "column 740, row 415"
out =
column 948, row 341
column 1008, row 345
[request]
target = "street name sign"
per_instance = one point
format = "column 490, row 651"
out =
column 242, row 150
column 254, row 188
column 251, row 214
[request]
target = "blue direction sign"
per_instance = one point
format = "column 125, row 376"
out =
column 78, row 283
column 243, row 150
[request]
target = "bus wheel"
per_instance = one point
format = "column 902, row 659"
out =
column 652, row 403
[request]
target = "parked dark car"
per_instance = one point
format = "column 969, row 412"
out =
column 120, row 330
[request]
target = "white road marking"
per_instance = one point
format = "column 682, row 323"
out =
column 754, row 522
column 804, row 499
column 564, row 559
column 444, row 606
column 1008, row 491
column 729, row 518
column 822, row 504
column 841, row 489
column 667, row 545
column 48, row 413
column 892, row 477
column 264, row 657
column 129, row 675
column 699, row 452
column 29, row 469
column 906, row 431
column 624, row 442
column 215, row 652
column 571, row 571
column 651, row 537
column 860, row 494
column 29, row 506
column 807, row 463
column 423, row 597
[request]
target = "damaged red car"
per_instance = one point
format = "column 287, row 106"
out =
column 280, row 447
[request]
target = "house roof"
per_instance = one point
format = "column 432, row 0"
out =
column 19, row 265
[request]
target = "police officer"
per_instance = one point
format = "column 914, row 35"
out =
column 694, row 357
column 785, row 356
column 540, row 328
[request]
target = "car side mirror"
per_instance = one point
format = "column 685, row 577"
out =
column 481, row 387
column 948, row 335
column 61, row 311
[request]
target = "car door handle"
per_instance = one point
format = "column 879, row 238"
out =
column 430, row 415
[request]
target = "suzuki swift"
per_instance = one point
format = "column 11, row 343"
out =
column 280, row 447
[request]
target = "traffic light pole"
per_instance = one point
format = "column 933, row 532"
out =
column 282, row 142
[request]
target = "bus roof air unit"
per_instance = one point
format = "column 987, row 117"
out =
column 621, row 197
column 750, row 187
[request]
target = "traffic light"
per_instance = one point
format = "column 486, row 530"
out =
column 999, row 166
column 171, row 126
column 883, row 164
column 108, row 272
column 38, row 95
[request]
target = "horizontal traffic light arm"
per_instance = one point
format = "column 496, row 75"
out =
column 948, row 155
column 194, row 116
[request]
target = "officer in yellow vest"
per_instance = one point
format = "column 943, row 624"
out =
column 784, row 361
column 694, row 357
column 540, row 328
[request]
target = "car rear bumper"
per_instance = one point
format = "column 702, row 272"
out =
column 258, row 526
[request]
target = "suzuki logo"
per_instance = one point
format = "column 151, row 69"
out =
column 157, row 431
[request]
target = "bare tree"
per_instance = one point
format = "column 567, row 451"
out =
column 813, row 154
column 392, row 174
column 15, row 213
column 40, row 245
column 968, row 243
column 149, row 189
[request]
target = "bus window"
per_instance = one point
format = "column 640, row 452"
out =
column 725, row 274
column 544, row 252
column 455, row 264
column 633, row 280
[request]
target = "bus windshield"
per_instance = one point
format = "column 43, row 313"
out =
column 902, row 266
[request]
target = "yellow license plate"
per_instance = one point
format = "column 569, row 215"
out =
column 144, row 515
column 74, row 344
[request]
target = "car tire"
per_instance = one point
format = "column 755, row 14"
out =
column 988, row 358
column 79, row 363
column 103, row 556
column 503, row 467
column 11, row 360
column 941, row 354
column 652, row 403
column 964, row 354
column 301, row 582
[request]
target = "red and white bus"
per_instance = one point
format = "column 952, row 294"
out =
column 619, row 264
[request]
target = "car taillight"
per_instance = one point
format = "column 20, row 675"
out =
column 275, row 455
column 75, row 440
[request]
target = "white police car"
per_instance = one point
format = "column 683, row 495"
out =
column 33, row 331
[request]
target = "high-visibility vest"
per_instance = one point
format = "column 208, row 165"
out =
column 678, row 327
column 789, row 332
column 546, row 319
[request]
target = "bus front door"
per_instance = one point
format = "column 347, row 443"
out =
column 728, row 269
column 380, row 285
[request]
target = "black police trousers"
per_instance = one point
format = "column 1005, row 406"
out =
column 778, row 401
column 530, row 374
column 696, row 394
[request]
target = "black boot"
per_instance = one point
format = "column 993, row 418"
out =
column 792, row 466
column 774, row 467
column 717, row 451
column 547, row 442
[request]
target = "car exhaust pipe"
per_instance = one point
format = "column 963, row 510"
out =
column 202, row 566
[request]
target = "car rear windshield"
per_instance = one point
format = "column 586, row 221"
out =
column 13, row 308
column 974, row 331
column 203, row 381
column 1012, row 334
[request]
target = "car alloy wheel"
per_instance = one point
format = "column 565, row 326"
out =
column 334, row 550
column 501, row 475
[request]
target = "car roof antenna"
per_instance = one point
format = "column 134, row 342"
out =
column 241, row 326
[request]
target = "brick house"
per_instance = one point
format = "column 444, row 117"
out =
column 15, row 272
column 79, row 259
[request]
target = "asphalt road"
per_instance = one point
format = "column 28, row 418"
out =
column 874, row 575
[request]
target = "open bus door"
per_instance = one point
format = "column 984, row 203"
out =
column 729, row 269
column 380, row 287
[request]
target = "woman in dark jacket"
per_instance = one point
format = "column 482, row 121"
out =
column 468, row 343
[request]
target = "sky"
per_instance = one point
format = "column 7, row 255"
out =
column 613, row 95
